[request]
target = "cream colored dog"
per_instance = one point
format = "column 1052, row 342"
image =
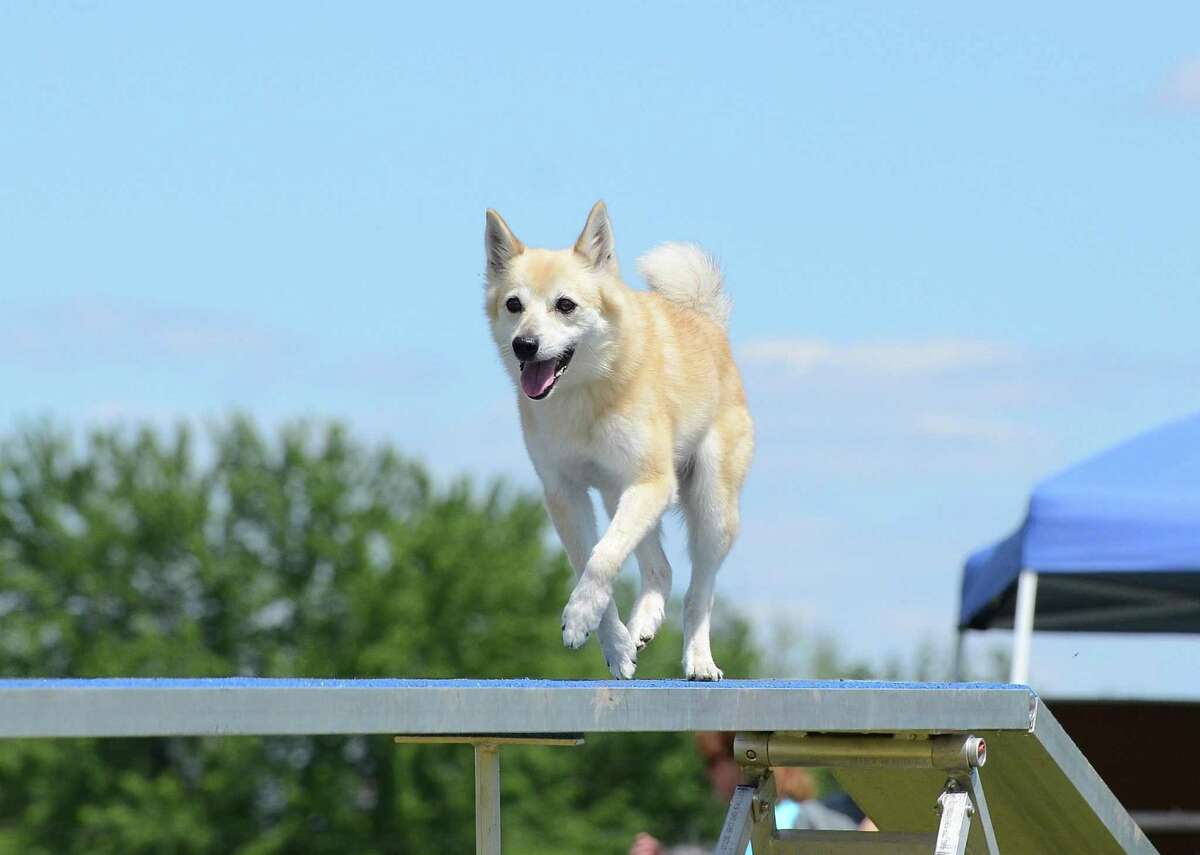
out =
column 633, row 393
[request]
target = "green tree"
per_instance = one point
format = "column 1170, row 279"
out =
column 149, row 554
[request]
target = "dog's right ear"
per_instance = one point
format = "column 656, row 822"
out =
column 595, row 242
column 499, row 243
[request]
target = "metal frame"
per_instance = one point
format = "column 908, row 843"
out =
column 751, row 815
column 1051, row 800
column 1148, row 604
column 1168, row 821
column 1134, row 603
column 1145, row 604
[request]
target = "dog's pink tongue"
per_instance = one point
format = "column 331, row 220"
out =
column 538, row 377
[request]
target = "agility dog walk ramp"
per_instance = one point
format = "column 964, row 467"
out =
column 912, row 755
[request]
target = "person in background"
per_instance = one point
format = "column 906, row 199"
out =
column 795, row 807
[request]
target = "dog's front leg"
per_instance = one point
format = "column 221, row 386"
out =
column 638, row 510
column 575, row 521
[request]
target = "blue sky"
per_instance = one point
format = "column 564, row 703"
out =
column 962, row 246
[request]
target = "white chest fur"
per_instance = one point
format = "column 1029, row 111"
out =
column 572, row 442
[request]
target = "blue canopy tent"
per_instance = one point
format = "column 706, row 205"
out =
column 1112, row 544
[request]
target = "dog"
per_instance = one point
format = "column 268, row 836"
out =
column 635, row 394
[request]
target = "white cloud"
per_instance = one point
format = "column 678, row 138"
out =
column 131, row 331
column 956, row 427
column 886, row 411
column 895, row 358
column 1182, row 88
column 115, row 411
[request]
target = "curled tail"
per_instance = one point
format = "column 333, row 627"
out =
column 686, row 274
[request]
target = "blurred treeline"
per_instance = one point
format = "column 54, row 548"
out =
column 152, row 553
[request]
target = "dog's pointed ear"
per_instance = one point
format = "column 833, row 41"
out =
column 500, row 244
column 596, row 240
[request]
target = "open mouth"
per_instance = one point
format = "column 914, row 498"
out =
column 538, row 378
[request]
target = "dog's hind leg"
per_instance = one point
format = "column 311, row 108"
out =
column 651, row 603
column 710, row 503
column 575, row 521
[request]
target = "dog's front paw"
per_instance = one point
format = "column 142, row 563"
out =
column 702, row 670
column 574, row 636
column 582, row 614
column 620, row 652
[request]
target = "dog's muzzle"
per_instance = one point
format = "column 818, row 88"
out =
column 539, row 378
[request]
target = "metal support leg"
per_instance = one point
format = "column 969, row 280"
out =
column 981, row 808
column 961, row 799
column 735, row 833
column 955, row 826
column 487, row 775
column 750, row 818
column 762, row 809
column 487, row 799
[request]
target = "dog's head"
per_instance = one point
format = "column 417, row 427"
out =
column 548, row 308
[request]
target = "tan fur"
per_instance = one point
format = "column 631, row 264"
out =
column 649, row 411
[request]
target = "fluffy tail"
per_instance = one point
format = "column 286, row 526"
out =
column 686, row 274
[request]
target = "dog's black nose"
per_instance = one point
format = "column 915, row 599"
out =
column 525, row 348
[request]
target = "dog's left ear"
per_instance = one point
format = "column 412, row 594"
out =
column 596, row 240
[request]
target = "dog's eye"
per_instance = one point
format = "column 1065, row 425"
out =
column 513, row 305
column 565, row 305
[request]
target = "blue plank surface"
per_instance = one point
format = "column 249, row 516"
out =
column 402, row 683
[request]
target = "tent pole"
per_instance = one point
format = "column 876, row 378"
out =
column 1023, row 626
column 960, row 638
